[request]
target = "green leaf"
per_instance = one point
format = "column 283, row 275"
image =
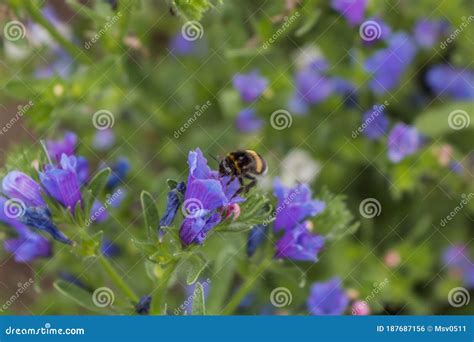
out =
column 222, row 276
column 199, row 307
column 195, row 264
column 151, row 215
column 336, row 218
column 79, row 295
column 310, row 21
column 98, row 182
column 435, row 122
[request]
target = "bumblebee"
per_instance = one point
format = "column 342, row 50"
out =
column 243, row 165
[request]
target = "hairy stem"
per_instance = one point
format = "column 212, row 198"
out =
column 72, row 49
column 117, row 279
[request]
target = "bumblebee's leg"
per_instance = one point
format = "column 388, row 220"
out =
column 251, row 184
column 230, row 180
column 242, row 186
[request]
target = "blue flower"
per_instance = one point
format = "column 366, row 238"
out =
column 387, row 66
column 298, row 105
column 250, row 86
column 109, row 249
column 27, row 246
column 184, row 47
column 403, row 141
column 22, row 187
column 299, row 244
column 375, row 123
column 429, row 32
column 312, row 86
column 62, row 183
column 66, row 145
column 346, row 89
column 327, row 298
column 247, row 121
column 352, row 10
column 174, row 199
column 457, row 259
column 143, row 306
column 206, row 193
column 256, row 238
column 40, row 218
column 119, row 171
column 103, row 139
column 445, row 80
column 294, row 205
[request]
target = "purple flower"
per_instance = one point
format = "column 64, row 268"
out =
column 256, row 238
column 17, row 185
column 82, row 170
column 66, row 145
column 457, row 258
column 28, row 246
column 403, row 141
column 40, row 218
column 388, row 65
column 99, row 212
column 312, row 86
column 62, row 182
column 327, row 298
column 299, row 244
column 247, row 121
column 109, row 249
column 250, row 86
column 119, row 171
column 298, row 105
column 183, row 47
column 294, row 205
column 346, row 89
column 380, row 30
column 375, row 123
column 352, row 10
column 205, row 193
column 429, row 32
column 143, row 306
column 447, row 81
column 103, row 139
column 174, row 199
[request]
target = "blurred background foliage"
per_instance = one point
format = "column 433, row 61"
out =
column 152, row 91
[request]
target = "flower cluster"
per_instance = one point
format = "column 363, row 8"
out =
column 61, row 179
